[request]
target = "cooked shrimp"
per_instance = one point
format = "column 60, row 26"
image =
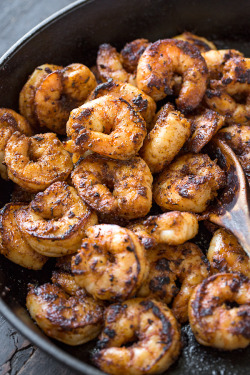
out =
column 200, row 42
column 141, row 102
column 165, row 140
column 213, row 321
column 107, row 126
column 111, row 264
column 216, row 60
column 60, row 92
column 55, row 221
column 167, row 264
column 225, row 254
column 73, row 320
column 10, row 121
column 115, row 187
column 36, row 162
column 205, row 124
column 161, row 60
column 152, row 331
column 131, row 53
column 189, row 183
column 109, row 64
column 66, row 281
column 172, row 228
column 14, row 246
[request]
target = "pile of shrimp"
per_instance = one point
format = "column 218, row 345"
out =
column 112, row 178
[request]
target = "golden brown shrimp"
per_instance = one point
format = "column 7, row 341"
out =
column 213, row 319
column 216, row 60
column 10, row 121
column 27, row 95
column 167, row 264
column 165, row 140
column 161, row 60
column 115, row 188
column 189, row 183
column 111, row 264
column 13, row 244
column 73, row 320
column 107, row 126
column 172, row 228
column 150, row 328
column 36, row 162
column 66, row 281
column 141, row 102
column 225, row 254
column 200, row 42
column 55, row 221
column 60, row 92
column 131, row 53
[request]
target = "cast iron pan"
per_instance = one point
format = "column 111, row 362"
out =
column 73, row 35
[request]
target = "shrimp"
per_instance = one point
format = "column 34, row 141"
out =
column 165, row 140
column 10, row 121
column 55, row 221
column 141, row 102
column 60, row 92
column 36, row 162
column 167, row 264
column 74, row 320
column 13, row 243
column 27, row 94
column 216, row 60
column 115, row 188
column 172, row 228
column 107, row 126
column 111, row 264
column 132, row 52
column 200, row 42
column 158, row 64
column 214, row 319
column 225, row 254
column 189, row 183
column 152, row 332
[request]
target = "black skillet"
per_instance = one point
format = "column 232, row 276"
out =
column 73, row 35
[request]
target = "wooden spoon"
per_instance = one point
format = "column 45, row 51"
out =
column 232, row 210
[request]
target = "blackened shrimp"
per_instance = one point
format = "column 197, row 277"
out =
column 225, row 254
column 189, row 183
column 132, row 52
column 150, row 328
column 200, row 42
column 111, row 264
column 164, row 58
column 55, row 221
column 36, row 162
column 216, row 60
column 107, row 126
column 73, row 320
column 213, row 316
column 115, row 188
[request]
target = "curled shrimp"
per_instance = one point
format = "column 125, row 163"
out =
column 200, row 42
column 172, row 228
column 161, row 60
column 73, row 320
column 10, row 121
column 165, row 140
column 111, row 264
column 189, row 183
column 225, row 254
column 13, row 244
column 132, row 52
column 60, row 92
column 213, row 321
column 107, row 126
column 167, row 264
column 141, row 102
column 150, row 328
column 36, row 162
column 55, row 221
column 116, row 188
column 216, row 60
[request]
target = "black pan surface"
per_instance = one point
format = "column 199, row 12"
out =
column 74, row 35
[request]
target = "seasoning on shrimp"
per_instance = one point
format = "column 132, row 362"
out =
column 200, row 42
column 132, row 52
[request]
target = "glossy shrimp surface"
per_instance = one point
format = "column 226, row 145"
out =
column 216, row 60
column 150, row 328
column 214, row 319
column 189, row 183
column 111, row 264
column 200, row 42
column 164, row 58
